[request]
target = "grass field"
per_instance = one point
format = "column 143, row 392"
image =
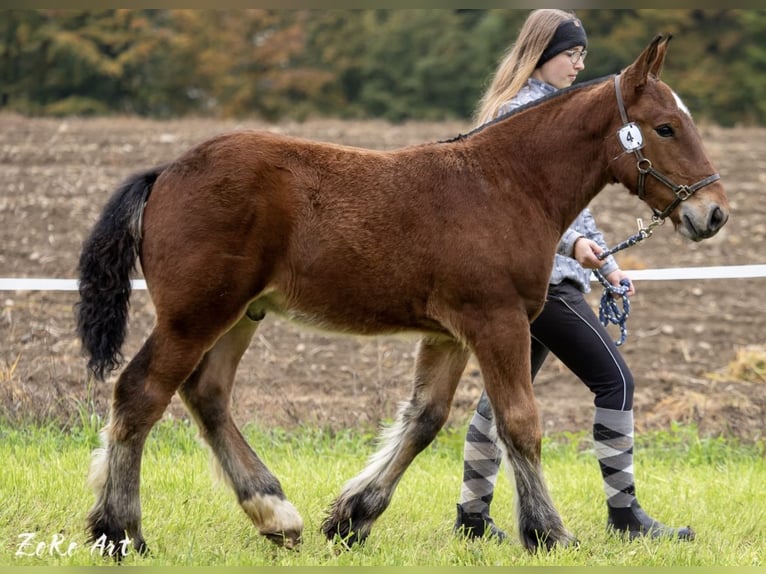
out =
column 713, row 484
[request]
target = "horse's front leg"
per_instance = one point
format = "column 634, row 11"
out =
column 440, row 363
column 502, row 348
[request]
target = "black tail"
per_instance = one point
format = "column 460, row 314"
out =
column 107, row 260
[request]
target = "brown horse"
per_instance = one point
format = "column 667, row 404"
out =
column 454, row 240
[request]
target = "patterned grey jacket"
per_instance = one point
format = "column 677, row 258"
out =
column 564, row 265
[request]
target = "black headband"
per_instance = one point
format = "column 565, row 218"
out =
column 569, row 33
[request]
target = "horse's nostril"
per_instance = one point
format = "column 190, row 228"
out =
column 717, row 218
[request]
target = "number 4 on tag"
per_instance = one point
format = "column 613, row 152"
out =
column 630, row 137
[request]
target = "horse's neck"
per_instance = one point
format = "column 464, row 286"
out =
column 554, row 151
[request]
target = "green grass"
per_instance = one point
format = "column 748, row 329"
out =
column 714, row 484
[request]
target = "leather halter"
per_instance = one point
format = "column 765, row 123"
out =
column 644, row 166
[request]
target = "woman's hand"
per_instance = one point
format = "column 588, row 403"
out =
column 618, row 275
column 586, row 251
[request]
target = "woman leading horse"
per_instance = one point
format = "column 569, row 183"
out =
column 431, row 238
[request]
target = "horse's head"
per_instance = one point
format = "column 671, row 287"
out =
column 657, row 152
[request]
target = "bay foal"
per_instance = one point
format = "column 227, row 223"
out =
column 454, row 240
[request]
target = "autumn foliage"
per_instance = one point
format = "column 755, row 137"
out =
column 391, row 64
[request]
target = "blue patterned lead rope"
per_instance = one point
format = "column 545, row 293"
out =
column 643, row 233
column 609, row 311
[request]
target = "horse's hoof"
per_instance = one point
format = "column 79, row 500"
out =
column 535, row 540
column 568, row 541
column 342, row 536
column 289, row 540
column 342, row 544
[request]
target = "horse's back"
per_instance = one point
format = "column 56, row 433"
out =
column 355, row 239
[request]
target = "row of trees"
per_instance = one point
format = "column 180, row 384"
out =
column 393, row 64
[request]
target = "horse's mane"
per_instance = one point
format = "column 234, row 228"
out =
column 528, row 105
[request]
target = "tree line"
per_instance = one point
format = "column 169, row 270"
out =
column 391, row 64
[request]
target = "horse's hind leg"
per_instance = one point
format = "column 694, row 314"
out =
column 141, row 394
column 440, row 363
column 504, row 358
column 207, row 395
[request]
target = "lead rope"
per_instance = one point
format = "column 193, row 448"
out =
column 609, row 311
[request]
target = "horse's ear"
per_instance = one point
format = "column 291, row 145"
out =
column 659, row 60
column 648, row 62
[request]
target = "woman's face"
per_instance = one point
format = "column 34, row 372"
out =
column 561, row 70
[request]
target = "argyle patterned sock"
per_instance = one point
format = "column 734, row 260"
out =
column 481, row 464
column 613, row 443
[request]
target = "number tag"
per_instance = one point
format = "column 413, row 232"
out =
column 630, row 137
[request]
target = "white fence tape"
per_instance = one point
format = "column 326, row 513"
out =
column 720, row 272
column 680, row 273
column 31, row 284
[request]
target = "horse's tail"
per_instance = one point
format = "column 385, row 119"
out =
column 108, row 258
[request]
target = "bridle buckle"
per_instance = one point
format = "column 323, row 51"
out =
column 684, row 192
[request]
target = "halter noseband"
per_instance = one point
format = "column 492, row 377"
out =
column 644, row 166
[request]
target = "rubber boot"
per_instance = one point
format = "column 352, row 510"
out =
column 634, row 522
column 475, row 525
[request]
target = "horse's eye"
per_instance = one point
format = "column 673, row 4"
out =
column 664, row 131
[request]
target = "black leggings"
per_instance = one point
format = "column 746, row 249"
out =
column 568, row 327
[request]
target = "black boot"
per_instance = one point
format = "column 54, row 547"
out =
column 478, row 524
column 634, row 522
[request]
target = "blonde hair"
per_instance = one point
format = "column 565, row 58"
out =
column 520, row 60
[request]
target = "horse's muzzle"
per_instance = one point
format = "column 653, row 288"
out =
column 702, row 222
